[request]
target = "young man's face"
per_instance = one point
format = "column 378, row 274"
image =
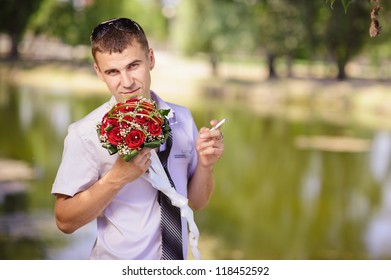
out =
column 126, row 74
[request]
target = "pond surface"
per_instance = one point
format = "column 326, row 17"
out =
column 284, row 189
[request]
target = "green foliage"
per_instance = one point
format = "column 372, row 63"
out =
column 278, row 26
column 74, row 24
column 345, row 34
column 345, row 3
column 302, row 29
column 208, row 26
column 15, row 16
column 214, row 28
column 155, row 24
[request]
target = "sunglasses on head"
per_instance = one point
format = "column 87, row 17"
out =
column 123, row 24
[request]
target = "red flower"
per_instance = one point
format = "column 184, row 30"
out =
column 127, row 119
column 125, row 108
column 142, row 117
column 148, row 106
column 158, row 120
column 135, row 139
column 154, row 128
column 114, row 136
column 107, row 122
column 132, row 100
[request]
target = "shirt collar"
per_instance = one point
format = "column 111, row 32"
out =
column 112, row 101
column 161, row 104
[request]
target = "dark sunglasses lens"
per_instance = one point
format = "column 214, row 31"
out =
column 122, row 24
column 99, row 32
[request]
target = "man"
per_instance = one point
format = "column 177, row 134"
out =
column 91, row 184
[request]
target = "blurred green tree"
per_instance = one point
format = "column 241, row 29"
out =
column 15, row 16
column 312, row 14
column 155, row 24
column 73, row 24
column 345, row 33
column 293, row 29
column 278, row 30
column 260, row 27
column 210, row 27
column 271, row 28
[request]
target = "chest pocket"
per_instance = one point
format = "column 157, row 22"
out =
column 179, row 161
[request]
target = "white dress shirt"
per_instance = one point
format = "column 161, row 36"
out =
column 129, row 228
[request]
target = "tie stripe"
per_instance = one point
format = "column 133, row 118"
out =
column 171, row 223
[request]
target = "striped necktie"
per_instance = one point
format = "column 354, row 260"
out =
column 171, row 223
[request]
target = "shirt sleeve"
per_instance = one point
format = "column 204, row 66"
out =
column 79, row 168
column 194, row 159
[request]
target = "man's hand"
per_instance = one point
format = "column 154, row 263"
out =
column 210, row 148
column 124, row 172
column 210, row 145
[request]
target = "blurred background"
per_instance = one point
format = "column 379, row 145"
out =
column 305, row 88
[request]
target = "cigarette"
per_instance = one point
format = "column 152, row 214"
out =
column 218, row 125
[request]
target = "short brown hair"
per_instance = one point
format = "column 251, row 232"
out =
column 108, row 37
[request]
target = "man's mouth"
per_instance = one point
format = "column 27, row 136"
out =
column 131, row 91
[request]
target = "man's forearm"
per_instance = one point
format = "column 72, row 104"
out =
column 76, row 211
column 201, row 187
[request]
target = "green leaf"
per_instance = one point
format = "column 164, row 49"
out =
column 98, row 128
column 153, row 144
column 164, row 112
column 331, row 2
column 130, row 156
column 345, row 3
column 112, row 149
column 166, row 129
column 108, row 128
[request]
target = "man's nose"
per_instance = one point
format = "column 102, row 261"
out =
column 127, row 80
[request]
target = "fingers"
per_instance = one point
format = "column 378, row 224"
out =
column 127, row 171
column 140, row 163
column 214, row 132
column 209, row 142
column 205, row 133
column 221, row 137
column 212, row 151
column 210, row 146
column 214, row 122
column 144, row 158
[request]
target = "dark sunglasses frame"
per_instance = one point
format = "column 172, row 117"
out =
column 123, row 24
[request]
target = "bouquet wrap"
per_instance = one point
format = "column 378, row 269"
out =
column 158, row 178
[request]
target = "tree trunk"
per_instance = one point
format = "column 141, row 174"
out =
column 14, row 52
column 213, row 63
column 341, row 71
column 271, row 58
column 289, row 65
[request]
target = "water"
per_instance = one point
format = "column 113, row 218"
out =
column 284, row 189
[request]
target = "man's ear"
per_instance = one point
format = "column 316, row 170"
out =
column 98, row 72
column 151, row 57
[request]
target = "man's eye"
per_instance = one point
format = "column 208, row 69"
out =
column 111, row 72
column 133, row 65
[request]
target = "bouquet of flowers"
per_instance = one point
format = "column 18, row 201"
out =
column 132, row 125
